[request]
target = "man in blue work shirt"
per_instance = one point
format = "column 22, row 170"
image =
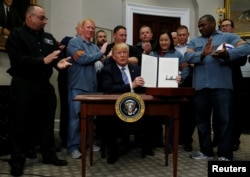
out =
column 212, row 80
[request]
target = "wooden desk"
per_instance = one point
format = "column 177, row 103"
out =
column 167, row 105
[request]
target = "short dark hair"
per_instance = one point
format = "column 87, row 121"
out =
column 117, row 28
column 31, row 8
column 209, row 18
column 145, row 26
column 182, row 27
column 171, row 47
column 231, row 21
column 99, row 31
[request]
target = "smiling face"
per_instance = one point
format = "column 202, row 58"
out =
column 88, row 29
column 164, row 42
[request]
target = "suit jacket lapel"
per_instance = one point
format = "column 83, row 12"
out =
column 132, row 72
column 117, row 73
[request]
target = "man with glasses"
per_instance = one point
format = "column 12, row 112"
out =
column 227, row 25
column 33, row 53
column 42, row 18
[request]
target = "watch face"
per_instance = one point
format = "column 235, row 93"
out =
column 129, row 107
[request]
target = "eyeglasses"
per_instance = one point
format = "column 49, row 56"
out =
column 42, row 18
column 226, row 25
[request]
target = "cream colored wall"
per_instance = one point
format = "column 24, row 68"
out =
column 109, row 13
column 64, row 14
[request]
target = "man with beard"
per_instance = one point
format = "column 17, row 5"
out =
column 100, row 38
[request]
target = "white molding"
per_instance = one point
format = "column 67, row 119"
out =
column 56, row 124
column 131, row 8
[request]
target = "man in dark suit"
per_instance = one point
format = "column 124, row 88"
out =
column 111, row 74
column 9, row 17
column 112, row 81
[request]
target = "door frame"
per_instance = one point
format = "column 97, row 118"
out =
column 131, row 8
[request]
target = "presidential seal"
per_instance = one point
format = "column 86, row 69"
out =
column 129, row 107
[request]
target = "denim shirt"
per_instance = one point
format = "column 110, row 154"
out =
column 212, row 72
column 82, row 73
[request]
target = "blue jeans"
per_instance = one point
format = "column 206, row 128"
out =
column 220, row 101
column 74, row 138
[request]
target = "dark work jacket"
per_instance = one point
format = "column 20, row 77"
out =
column 237, row 74
column 26, row 49
column 140, row 50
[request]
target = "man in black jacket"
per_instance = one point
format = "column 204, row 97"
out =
column 33, row 53
column 120, row 36
column 147, row 43
column 227, row 25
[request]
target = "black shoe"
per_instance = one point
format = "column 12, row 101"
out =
column 112, row 158
column 16, row 166
column 54, row 161
column 31, row 154
column 103, row 152
column 188, row 147
column 146, row 152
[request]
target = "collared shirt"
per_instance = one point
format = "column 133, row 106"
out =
column 128, row 74
column 182, row 48
column 212, row 72
column 6, row 8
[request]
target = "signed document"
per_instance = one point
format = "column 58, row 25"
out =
column 159, row 72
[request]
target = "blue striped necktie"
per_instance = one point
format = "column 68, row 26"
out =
column 124, row 76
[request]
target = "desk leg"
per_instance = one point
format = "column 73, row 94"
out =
column 176, row 138
column 166, row 140
column 83, row 139
column 91, row 130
